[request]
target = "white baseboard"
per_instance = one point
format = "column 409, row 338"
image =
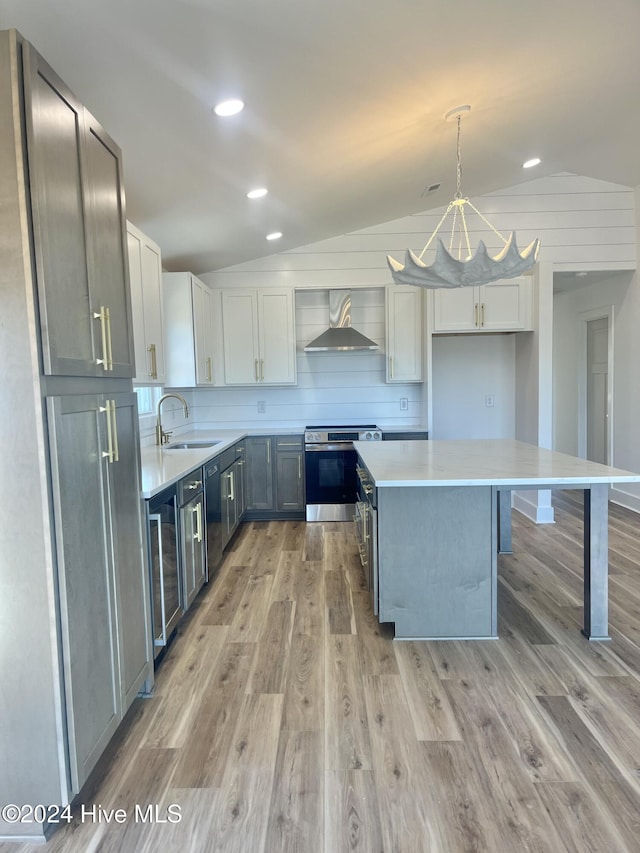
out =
column 625, row 499
column 527, row 504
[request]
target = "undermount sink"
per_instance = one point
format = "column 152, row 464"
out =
column 191, row 445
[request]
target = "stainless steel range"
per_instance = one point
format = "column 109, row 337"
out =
column 330, row 469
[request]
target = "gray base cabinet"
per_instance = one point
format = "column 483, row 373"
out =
column 275, row 476
column 259, row 456
column 232, row 490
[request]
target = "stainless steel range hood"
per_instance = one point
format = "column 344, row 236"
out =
column 340, row 335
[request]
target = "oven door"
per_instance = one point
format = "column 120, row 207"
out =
column 330, row 481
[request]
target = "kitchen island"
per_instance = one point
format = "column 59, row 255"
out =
column 443, row 511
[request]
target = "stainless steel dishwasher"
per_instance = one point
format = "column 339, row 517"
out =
column 213, row 514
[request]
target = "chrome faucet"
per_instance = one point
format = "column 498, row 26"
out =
column 162, row 437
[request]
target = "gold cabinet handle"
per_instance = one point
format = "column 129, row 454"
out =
column 257, row 374
column 232, row 487
column 116, row 449
column 475, row 323
column 482, row 315
column 390, row 367
column 151, row 349
column 109, row 347
column 209, row 375
column 104, row 316
column 262, row 369
column 109, row 452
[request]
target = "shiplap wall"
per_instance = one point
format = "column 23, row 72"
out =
column 583, row 224
column 332, row 387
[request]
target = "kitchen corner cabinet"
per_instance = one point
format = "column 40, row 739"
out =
column 259, row 343
column 145, row 277
column 188, row 307
column 77, row 209
column 403, row 305
column 103, row 585
column 502, row 306
column 275, row 476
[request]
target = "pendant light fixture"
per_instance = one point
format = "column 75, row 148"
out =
column 457, row 266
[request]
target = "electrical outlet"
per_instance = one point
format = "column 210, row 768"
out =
column 404, row 404
column 489, row 400
column 262, row 407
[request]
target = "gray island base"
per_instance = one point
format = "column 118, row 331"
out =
column 443, row 510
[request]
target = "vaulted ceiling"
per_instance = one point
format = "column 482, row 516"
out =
column 344, row 105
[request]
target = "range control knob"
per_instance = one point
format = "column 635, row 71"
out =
column 377, row 436
column 368, row 436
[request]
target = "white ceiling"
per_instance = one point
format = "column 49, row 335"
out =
column 344, row 106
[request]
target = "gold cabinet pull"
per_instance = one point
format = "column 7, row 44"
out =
column 209, row 375
column 390, row 367
column 109, row 347
column 109, row 452
column 113, row 452
column 262, row 369
column 257, row 374
column 101, row 315
column 482, row 315
column 151, row 349
column 475, row 323
column 104, row 316
column 232, row 487
column 116, row 449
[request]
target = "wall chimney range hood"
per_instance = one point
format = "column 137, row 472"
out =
column 340, row 335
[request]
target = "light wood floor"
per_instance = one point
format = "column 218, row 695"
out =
column 286, row 719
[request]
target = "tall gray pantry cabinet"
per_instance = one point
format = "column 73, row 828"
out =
column 75, row 638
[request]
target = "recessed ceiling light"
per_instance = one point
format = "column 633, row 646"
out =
column 275, row 235
column 257, row 193
column 528, row 164
column 230, row 107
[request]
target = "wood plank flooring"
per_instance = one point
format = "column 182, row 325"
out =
column 285, row 718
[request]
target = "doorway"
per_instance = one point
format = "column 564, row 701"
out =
column 596, row 386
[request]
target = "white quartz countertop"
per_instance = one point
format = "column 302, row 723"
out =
column 162, row 467
column 494, row 462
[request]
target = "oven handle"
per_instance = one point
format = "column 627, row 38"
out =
column 319, row 448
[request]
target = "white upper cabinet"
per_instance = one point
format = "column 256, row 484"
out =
column 258, row 328
column 189, row 337
column 502, row 306
column 145, row 275
column 404, row 333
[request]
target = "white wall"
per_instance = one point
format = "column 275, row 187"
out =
column 467, row 368
column 621, row 291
